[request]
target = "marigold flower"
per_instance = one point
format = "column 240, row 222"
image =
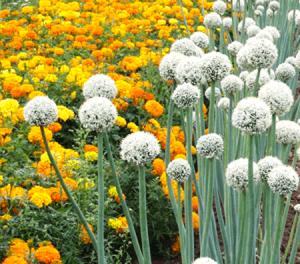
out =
column 14, row 260
column 158, row 166
column 47, row 254
column 41, row 199
column 91, row 156
column 154, row 108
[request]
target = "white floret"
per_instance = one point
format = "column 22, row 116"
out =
column 224, row 104
column 219, row 7
column 274, row 5
column 297, row 208
column 264, row 35
column 212, row 20
column 168, row 65
column 291, row 60
column 232, row 84
column 210, row 145
column 241, row 58
column 265, row 166
column 293, row 13
column 235, row 47
column 204, row 260
column 253, row 30
column 238, row 5
column 243, row 75
column 273, row 31
column 251, row 78
column 285, row 72
column 227, row 23
column 260, row 8
column 186, row 95
column 258, row 13
column 208, row 93
column 270, row 13
column 200, row 39
column 179, row 170
column 287, row 132
column 248, row 22
column 186, row 47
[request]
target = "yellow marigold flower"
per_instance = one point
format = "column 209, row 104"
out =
column 35, row 135
column 173, row 21
column 64, row 69
column 114, row 223
column 73, row 95
column 1, row 179
column 73, row 164
column 51, row 78
column 6, row 217
column 58, row 157
column 5, row 64
column 194, row 151
column 3, row 161
column 64, row 113
column 86, row 183
column 35, row 94
column 8, row 107
column 113, row 192
column 58, row 51
column 180, row 156
column 201, row 29
column 72, row 184
column 133, row 127
column 154, row 108
column 124, row 228
column 120, row 121
column 47, row 254
column 14, row 260
column 18, row 247
column 91, row 156
column 41, row 199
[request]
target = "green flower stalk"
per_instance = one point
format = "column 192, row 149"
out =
column 297, row 237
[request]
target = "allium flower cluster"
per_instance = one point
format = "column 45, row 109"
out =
column 235, row 47
column 224, row 104
column 186, row 95
column 251, row 78
column 283, row 180
column 227, row 23
column 260, row 8
column 179, row 170
column 297, row 208
column 241, row 57
column 189, row 70
column 186, row 47
column 274, row 6
column 200, row 39
column 208, row 93
column 273, row 31
column 285, row 72
column 264, row 35
column 40, row 111
column 253, row 30
column 291, row 15
column 291, row 60
column 237, row 174
column 231, row 84
column 100, row 85
column 238, row 5
column 139, row 148
column 265, row 166
column 258, row 13
column 287, row 132
column 168, row 65
column 212, row 20
column 210, row 145
column 98, row 114
column 243, row 75
column 252, row 116
column 248, row 22
column 219, row 7
column 204, row 260
column 278, row 96
column 215, row 66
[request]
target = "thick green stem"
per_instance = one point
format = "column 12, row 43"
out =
column 256, row 82
column 211, row 116
column 295, row 244
column 211, row 40
column 273, row 135
column 181, row 233
column 242, row 229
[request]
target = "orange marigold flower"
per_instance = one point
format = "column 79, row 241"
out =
column 154, row 108
column 88, row 148
column 176, row 245
column 158, row 166
column 14, row 260
column 58, row 51
column 195, row 203
column 47, row 254
column 55, row 127
column 84, row 237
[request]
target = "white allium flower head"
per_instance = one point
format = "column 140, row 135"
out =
column 283, row 180
column 278, row 96
column 237, row 174
column 208, row 93
column 219, row 7
column 179, row 170
column 260, row 8
column 224, row 104
column 258, row 13
column 287, row 132
column 241, row 57
column 297, row 20
column 243, row 75
column 274, row 6
column 252, row 116
column 189, row 70
column 227, row 23
column 285, row 72
column 231, row 84
column 251, row 78
column 234, row 47
column 273, row 31
column 266, row 164
column 168, row 65
column 291, row 15
column 186, row 47
column 248, row 22
column 100, row 85
column 270, row 13
column 264, row 35
column 266, row 1
column 298, row 59
column 139, row 148
column 210, row 145
column 291, row 60
column 186, row 95
column 262, row 53
column 253, row 30
column 98, row 114
column 204, row 260
column 200, row 39
column 215, row 66
column 238, row 5
column 212, row 20
column 40, row 111
column 259, row 2
column 297, row 208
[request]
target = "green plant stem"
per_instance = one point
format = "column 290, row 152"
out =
column 100, row 234
column 123, row 202
column 256, row 82
column 68, row 193
column 181, row 233
column 184, row 19
column 273, row 135
column 143, row 215
column 211, row 40
column 295, row 155
column 295, row 244
column 242, row 229
column 211, row 109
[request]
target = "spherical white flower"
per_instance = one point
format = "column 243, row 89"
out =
column 227, row 23
column 264, row 35
column 179, row 170
column 251, row 78
column 208, row 93
column 98, row 114
column 186, row 47
column 139, row 148
column 200, row 39
column 266, row 164
column 283, row 180
column 258, row 13
column 260, row 8
column 212, row 20
column 253, row 30
column 231, row 84
column 224, row 104
column 278, row 96
column 40, row 111
column 297, row 208
column 274, row 6
column 252, row 116
column 219, row 7
column 235, row 47
column 168, row 65
column 243, row 75
column 189, row 70
column 287, row 132
column 186, row 95
column 215, row 66
column 204, row 260
column 100, row 85
column 248, row 22
column 285, row 72
column 291, row 60
column 238, row 5
column 241, row 57
column 273, row 31
column 270, row 13
column 259, row 2
column 291, row 15
column 266, row 1
column 298, row 59
column 210, row 145
column 237, row 174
